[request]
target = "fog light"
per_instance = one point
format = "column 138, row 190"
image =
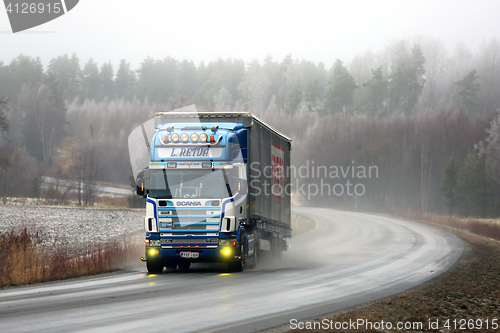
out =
column 152, row 252
column 225, row 251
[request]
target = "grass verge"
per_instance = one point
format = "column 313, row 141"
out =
column 469, row 294
column 27, row 257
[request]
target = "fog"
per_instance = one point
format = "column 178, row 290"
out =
column 318, row 31
column 407, row 88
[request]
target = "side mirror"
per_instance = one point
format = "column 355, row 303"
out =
column 142, row 182
column 140, row 189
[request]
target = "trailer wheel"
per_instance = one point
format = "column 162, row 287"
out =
column 256, row 257
column 154, row 267
column 276, row 248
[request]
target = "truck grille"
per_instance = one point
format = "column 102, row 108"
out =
column 186, row 219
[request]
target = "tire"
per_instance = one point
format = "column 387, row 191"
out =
column 256, row 257
column 171, row 267
column 239, row 265
column 276, row 248
column 256, row 254
column 184, row 266
column 154, row 267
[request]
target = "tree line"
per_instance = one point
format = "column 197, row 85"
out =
column 410, row 109
column 407, row 76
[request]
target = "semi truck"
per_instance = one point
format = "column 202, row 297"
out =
column 216, row 189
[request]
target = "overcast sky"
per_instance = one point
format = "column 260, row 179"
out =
column 110, row 30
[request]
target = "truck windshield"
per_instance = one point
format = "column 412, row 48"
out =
column 201, row 184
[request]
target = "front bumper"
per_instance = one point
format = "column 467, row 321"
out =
column 221, row 254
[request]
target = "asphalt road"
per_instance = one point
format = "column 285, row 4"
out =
column 348, row 259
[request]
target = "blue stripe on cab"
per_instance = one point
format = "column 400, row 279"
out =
column 184, row 216
column 197, row 223
column 178, row 208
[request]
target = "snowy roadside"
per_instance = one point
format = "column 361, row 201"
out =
column 74, row 226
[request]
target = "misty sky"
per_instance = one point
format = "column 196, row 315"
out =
column 110, row 30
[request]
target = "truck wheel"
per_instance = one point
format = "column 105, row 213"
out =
column 238, row 265
column 184, row 266
column 154, row 267
column 171, row 267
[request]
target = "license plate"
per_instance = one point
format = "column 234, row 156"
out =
column 190, row 254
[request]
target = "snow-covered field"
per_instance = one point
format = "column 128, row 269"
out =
column 78, row 227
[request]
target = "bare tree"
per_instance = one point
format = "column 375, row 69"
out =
column 255, row 88
column 488, row 66
column 17, row 172
column 91, row 169
column 435, row 67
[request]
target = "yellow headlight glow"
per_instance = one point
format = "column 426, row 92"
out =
column 225, row 251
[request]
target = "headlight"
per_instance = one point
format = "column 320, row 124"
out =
column 194, row 137
column 184, row 137
column 227, row 241
column 154, row 242
column 203, row 137
column 175, row 137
